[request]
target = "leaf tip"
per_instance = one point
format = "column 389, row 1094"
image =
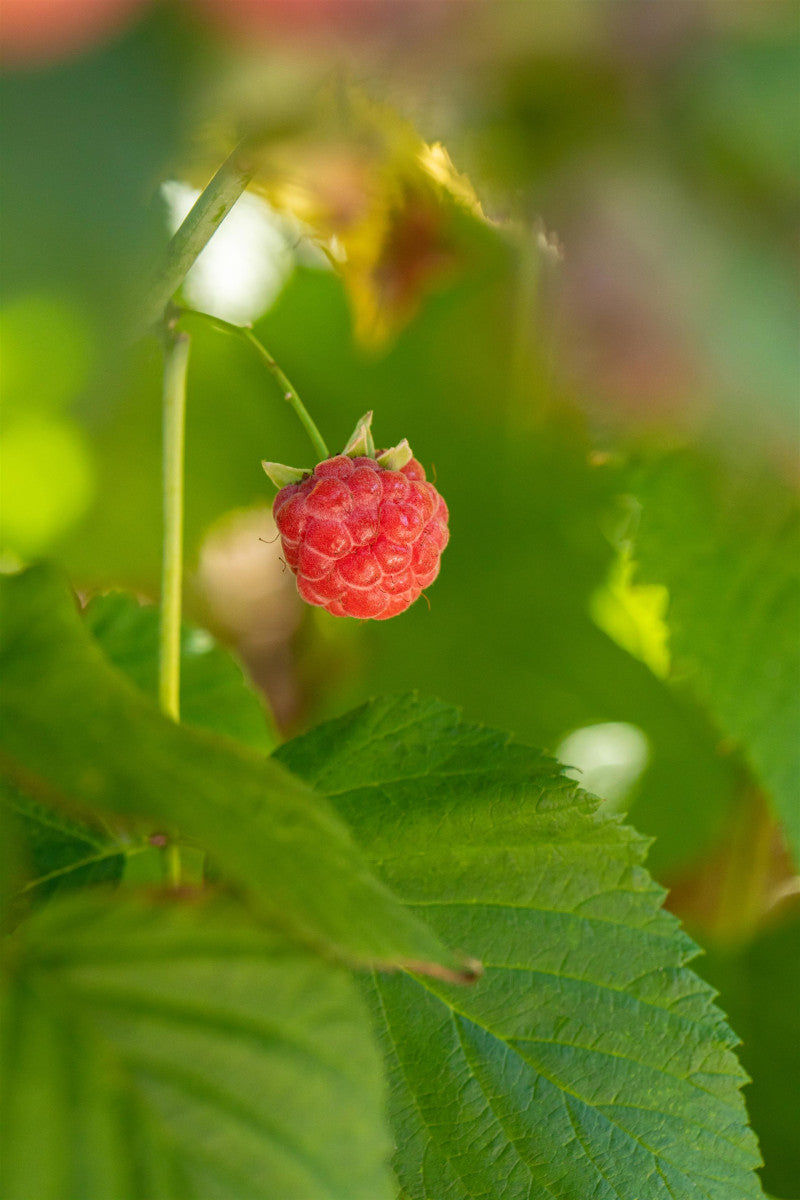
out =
column 468, row 971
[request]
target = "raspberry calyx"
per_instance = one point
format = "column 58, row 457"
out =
column 364, row 531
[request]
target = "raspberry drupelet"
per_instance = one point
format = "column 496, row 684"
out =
column 363, row 540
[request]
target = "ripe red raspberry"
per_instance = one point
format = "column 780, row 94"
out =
column 363, row 540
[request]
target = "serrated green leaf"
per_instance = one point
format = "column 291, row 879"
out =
column 588, row 1060
column 154, row 1051
column 73, row 730
column 728, row 550
column 214, row 692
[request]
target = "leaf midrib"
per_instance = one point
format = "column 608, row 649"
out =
column 199, row 1018
column 443, row 1148
column 112, row 852
column 67, row 1002
column 197, row 1087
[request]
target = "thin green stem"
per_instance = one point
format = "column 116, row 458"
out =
column 174, row 870
column 288, row 391
column 209, row 210
column 176, row 361
column 174, row 416
column 289, row 394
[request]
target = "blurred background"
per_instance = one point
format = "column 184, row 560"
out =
column 556, row 246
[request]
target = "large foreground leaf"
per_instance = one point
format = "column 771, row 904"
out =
column 64, row 852
column 73, row 730
column 729, row 552
column 589, row 1061
column 152, row 1051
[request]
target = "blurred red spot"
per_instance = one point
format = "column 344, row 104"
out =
column 40, row 31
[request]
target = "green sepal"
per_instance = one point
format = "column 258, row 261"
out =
column 360, row 442
column 397, row 457
column 281, row 475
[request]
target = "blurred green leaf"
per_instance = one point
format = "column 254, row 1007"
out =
column 60, row 852
column 154, row 1051
column 588, row 1060
column 214, row 693
column 47, row 485
column 759, row 986
column 12, row 875
column 731, row 105
column 48, row 353
column 49, row 477
column 726, row 546
column 75, row 731
column 85, row 145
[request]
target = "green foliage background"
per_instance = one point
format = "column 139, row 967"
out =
column 635, row 402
